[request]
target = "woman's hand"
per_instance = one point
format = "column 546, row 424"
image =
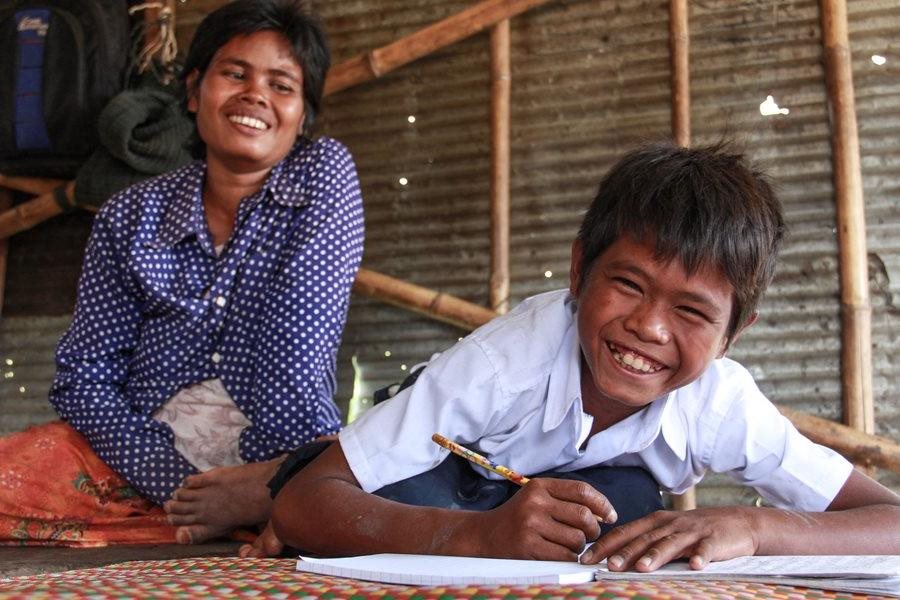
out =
column 548, row 519
column 701, row 536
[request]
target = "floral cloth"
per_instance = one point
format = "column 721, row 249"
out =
column 54, row 491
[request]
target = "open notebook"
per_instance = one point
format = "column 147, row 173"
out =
column 867, row 574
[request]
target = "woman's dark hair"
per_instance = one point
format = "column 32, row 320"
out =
column 704, row 206
column 291, row 18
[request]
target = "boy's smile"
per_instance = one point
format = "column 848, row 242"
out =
column 249, row 103
column 646, row 327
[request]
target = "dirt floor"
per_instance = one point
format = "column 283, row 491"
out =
column 30, row 561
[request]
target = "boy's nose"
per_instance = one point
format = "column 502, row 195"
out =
column 647, row 323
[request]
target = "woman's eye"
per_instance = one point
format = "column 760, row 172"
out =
column 281, row 87
column 234, row 75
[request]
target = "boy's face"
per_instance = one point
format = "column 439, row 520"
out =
column 645, row 326
column 249, row 103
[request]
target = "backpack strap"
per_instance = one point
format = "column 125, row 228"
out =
column 28, row 108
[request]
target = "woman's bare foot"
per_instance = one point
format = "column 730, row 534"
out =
column 266, row 545
column 211, row 504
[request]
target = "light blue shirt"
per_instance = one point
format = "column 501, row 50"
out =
column 511, row 391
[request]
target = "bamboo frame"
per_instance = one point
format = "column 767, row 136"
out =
column 679, row 44
column 30, row 185
column 6, row 202
column 28, row 214
column 856, row 310
column 437, row 305
column 500, row 159
column 463, row 24
column 858, row 445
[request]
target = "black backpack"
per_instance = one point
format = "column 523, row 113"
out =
column 60, row 63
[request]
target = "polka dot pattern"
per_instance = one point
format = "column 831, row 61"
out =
column 158, row 310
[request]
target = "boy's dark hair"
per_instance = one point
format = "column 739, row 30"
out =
column 700, row 205
column 291, row 18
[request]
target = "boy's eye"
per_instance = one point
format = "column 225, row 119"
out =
column 627, row 283
column 234, row 75
column 690, row 310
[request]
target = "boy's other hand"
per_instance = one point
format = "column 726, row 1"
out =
column 701, row 536
column 548, row 519
column 266, row 545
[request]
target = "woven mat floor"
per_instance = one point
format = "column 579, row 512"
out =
column 276, row 578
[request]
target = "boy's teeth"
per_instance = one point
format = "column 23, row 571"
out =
column 249, row 122
column 634, row 361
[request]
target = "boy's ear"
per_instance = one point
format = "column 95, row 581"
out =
column 192, row 85
column 737, row 334
column 575, row 268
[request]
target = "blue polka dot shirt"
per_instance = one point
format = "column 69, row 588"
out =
column 158, row 310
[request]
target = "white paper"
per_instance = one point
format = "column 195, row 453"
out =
column 420, row 569
column 861, row 574
column 852, row 567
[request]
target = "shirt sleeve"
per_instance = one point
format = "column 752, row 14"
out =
column 293, row 391
column 761, row 448
column 457, row 395
column 92, row 362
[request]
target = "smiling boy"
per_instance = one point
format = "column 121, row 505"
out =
column 624, row 370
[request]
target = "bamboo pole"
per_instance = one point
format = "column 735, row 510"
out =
column 463, row 24
column 28, row 214
column 30, row 185
column 862, row 448
column 500, row 154
column 679, row 43
column 5, row 204
column 436, row 305
column 856, row 311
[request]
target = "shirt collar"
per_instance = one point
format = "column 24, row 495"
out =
column 564, row 386
column 285, row 184
column 564, row 389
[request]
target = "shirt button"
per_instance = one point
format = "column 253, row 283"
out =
column 220, row 301
column 216, row 357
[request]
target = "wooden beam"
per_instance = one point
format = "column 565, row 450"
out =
column 500, row 157
column 6, row 202
column 31, row 212
column 463, row 24
column 437, row 305
column 856, row 310
column 860, row 447
column 679, row 45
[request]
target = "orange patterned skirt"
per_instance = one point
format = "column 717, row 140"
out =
column 54, row 491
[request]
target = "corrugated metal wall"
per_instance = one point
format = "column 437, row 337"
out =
column 589, row 80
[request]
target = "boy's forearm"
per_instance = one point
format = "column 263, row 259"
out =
column 333, row 517
column 863, row 530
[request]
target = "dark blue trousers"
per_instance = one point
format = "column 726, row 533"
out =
column 454, row 484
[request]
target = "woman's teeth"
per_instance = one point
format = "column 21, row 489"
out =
column 249, row 122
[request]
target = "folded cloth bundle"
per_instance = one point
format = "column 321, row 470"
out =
column 143, row 132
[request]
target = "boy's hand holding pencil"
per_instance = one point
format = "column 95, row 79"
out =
column 549, row 519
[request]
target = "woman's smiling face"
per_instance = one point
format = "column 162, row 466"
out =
column 646, row 327
column 249, row 103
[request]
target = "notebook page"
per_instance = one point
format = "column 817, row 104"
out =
column 846, row 567
column 421, row 569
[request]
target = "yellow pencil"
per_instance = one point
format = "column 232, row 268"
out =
column 488, row 464
column 479, row 459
